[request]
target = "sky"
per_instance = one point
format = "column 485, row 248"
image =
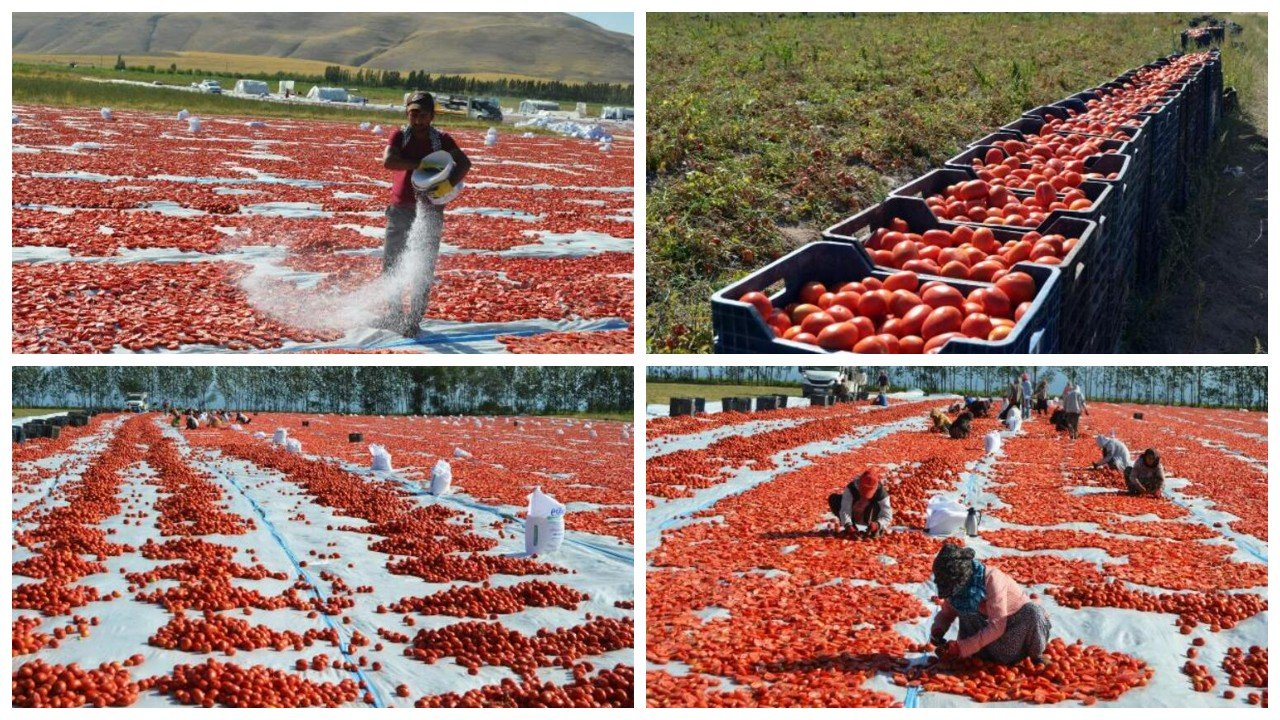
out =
column 622, row 22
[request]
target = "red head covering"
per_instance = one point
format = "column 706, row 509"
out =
column 868, row 483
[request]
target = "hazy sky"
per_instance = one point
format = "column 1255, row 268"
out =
column 617, row 21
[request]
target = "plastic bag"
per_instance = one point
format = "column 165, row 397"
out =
column 991, row 442
column 293, row 446
column 943, row 516
column 260, row 435
column 441, row 478
column 381, row 458
column 460, row 453
column 544, row 525
column 281, row 435
column 1013, row 420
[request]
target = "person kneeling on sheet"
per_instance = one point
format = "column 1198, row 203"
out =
column 1058, row 419
column 940, row 422
column 960, row 427
column 864, row 501
column 979, row 407
column 1145, row 477
column 998, row 622
column 1115, row 455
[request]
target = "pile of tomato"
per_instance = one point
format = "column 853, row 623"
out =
column 899, row 314
column 143, row 182
column 187, row 518
column 760, row 600
column 963, row 252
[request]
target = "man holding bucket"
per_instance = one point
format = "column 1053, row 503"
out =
column 429, row 168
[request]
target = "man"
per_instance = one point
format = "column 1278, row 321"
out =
column 404, row 154
column 1041, row 397
column 1026, row 395
column 883, row 381
column 1072, row 406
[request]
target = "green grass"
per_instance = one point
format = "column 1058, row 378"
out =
column 765, row 129
column 661, row 393
column 32, row 412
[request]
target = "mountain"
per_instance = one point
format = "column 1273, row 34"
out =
column 550, row 46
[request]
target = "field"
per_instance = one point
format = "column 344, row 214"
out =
column 657, row 392
column 765, row 130
column 754, row 600
column 251, row 233
column 157, row 567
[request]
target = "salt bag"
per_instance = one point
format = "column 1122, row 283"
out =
column 441, row 478
column 544, row 525
column 293, row 446
column 943, row 516
column 1013, row 420
column 280, row 436
column 381, row 458
column 460, row 453
column 991, row 442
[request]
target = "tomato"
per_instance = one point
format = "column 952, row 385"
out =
column 806, row 338
column 824, row 300
column 791, row 332
column 803, row 311
column 901, row 302
column 759, row 301
column 929, row 267
column 956, row 269
column 811, row 292
column 1023, row 308
column 905, row 280
column 994, row 300
column 977, row 325
column 973, row 189
column 942, row 295
column 902, row 252
column 846, row 298
column 942, row 320
column 1000, row 332
column 985, row 270
column 938, row 238
column 875, row 304
column 840, row 313
column 1018, row 286
column 838, row 336
column 1046, row 193
column 891, row 342
column 934, row 344
column 814, row 322
column 914, row 319
column 911, row 345
column 871, row 344
column 865, row 325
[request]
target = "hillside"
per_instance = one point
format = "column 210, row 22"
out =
column 552, row 46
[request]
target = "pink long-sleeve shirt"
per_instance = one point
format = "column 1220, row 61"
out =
column 1004, row 598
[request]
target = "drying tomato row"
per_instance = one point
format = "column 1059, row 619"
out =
column 1216, row 610
column 477, row 644
column 591, row 343
column 608, row 688
column 489, row 602
column 215, row 683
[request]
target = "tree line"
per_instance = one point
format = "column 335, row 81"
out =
column 377, row 390
column 1165, row 385
column 608, row 93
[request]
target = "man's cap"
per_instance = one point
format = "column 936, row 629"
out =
column 419, row 100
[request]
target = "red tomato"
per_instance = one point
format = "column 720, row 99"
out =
column 865, row 326
column 902, row 252
column 875, row 304
column 914, row 319
column 1019, row 286
column 1022, row 310
column 935, row 343
column 994, row 300
column 814, row 322
column 791, row 332
column 780, row 320
column 806, row 338
column 840, row 313
column 956, row 269
column 977, row 325
column 938, row 238
column 905, row 280
column 942, row 320
column 824, row 300
column 911, row 345
column 872, row 282
column 759, row 301
column 891, row 342
column 902, row 301
column 811, row 292
column 985, row 270
column 846, row 298
column 929, row 267
column 871, row 344
column 838, row 336
column 942, row 295
column 999, row 332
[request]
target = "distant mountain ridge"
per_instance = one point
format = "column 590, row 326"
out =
column 553, row 46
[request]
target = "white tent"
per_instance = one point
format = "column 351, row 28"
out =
column 617, row 113
column 287, row 85
column 252, row 87
column 331, row 94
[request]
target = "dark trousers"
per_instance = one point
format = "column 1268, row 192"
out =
column 1073, row 423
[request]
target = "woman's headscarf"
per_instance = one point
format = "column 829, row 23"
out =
column 960, row 578
column 1155, row 457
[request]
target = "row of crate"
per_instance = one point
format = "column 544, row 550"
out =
column 1122, row 154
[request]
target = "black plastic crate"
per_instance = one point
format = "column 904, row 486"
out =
column 1081, row 269
column 736, row 404
column 937, row 181
column 766, row 402
column 18, row 436
column 1104, row 163
column 781, row 401
column 739, row 328
column 680, row 406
